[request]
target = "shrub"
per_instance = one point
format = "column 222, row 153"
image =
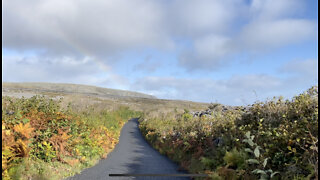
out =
column 235, row 159
column 38, row 131
column 285, row 138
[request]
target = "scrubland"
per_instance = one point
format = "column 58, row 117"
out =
column 41, row 140
column 276, row 139
column 50, row 132
column 58, row 134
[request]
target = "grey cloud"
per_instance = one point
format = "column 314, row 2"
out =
column 192, row 18
column 307, row 68
column 268, row 9
column 219, row 30
column 89, row 27
column 209, row 53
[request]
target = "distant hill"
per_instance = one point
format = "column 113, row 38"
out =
column 70, row 89
column 82, row 96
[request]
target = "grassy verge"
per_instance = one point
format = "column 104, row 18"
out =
column 41, row 140
column 277, row 139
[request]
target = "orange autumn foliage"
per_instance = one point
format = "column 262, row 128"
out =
column 24, row 129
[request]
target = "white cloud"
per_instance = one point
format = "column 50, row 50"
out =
column 227, row 91
column 218, row 29
column 65, row 70
column 253, row 82
column 266, row 35
column 259, row 27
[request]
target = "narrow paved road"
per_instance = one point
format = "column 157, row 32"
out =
column 132, row 155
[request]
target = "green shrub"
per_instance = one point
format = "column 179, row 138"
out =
column 235, row 159
column 285, row 138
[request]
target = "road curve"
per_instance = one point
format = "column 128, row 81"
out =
column 132, row 155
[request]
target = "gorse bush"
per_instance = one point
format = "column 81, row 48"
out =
column 38, row 136
column 285, row 143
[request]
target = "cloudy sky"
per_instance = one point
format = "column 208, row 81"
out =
column 234, row 52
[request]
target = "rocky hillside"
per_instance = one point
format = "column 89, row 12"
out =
column 218, row 108
column 8, row 88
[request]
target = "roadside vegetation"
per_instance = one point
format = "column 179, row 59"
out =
column 276, row 139
column 42, row 140
column 44, row 137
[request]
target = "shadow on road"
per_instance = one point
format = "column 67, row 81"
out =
column 132, row 155
column 149, row 161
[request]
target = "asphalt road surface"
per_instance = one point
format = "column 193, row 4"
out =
column 132, row 155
